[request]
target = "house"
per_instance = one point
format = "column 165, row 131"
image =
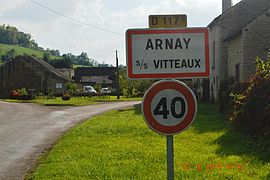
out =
column 104, row 76
column 68, row 72
column 30, row 73
column 237, row 37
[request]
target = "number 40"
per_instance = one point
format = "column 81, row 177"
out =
column 162, row 109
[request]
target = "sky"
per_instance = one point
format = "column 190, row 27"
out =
column 97, row 26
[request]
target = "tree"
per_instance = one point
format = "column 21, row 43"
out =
column 71, row 87
column 55, row 52
column 132, row 88
column 9, row 55
column 46, row 56
column 104, row 64
column 24, row 39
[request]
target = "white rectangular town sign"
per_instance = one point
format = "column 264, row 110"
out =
column 167, row 53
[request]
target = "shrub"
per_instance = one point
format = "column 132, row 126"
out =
column 71, row 87
column 251, row 110
column 66, row 96
column 224, row 94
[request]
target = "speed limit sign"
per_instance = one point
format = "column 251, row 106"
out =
column 169, row 107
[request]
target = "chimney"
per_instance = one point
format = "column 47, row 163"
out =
column 226, row 4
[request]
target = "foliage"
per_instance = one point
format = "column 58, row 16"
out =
column 63, row 62
column 71, row 87
column 23, row 91
column 66, row 96
column 251, row 112
column 132, row 88
column 11, row 35
column 9, row 55
column 97, row 87
column 46, row 56
column 224, row 94
column 18, row 92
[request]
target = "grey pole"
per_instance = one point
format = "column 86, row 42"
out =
column 170, row 157
column 117, row 77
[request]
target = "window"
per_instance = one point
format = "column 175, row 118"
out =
column 59, row 86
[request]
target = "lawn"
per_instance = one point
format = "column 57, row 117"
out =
column 119, row 145
column 74, row 101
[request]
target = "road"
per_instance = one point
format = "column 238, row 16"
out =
column 26, row 130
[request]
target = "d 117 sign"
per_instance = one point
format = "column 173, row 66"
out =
column 167, row 53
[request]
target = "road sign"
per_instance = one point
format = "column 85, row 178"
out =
column 169, row 107
column 167, row 53
column 167, row 21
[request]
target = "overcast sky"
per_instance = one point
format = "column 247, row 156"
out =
column 97, row 26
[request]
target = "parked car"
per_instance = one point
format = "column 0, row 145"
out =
column 105, row 91
column 89, row 89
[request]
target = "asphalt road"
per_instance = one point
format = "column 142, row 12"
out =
column 26, row 130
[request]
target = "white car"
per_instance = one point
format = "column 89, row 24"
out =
column 105, row 91
column 89, row 89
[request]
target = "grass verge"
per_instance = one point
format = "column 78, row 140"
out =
column 118, row 145
column 74, row 101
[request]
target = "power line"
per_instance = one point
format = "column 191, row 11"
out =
column 74, row 20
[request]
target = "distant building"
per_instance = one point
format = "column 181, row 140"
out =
column 237, row 37
column 68, row 72
column 105, row 76
column 32, row 74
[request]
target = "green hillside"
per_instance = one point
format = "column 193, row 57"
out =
column 22, row 50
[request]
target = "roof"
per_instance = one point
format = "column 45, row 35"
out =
column 235, row 18
column 94, row 71
column 47, row 66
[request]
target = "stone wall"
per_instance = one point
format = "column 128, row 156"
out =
column 215, row 59
column 234, row 55
column 255, row 42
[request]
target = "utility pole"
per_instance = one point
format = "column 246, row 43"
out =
column 117, row 77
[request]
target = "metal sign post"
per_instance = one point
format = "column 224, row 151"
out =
column 170, row 158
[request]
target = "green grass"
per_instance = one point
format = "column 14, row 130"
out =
column 74, row 101
column 118, row 145
column 22, row 50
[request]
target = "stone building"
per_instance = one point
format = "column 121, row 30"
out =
column 237, row 37
column 68, row 72
column 32, row 74
column 105, row 76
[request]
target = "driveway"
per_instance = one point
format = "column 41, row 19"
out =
column 26, row 130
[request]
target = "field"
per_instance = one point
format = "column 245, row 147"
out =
column 22, row 50
column 118, row 145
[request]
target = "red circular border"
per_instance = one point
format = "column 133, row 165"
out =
column 191, row 109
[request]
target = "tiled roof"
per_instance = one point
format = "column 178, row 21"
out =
column 240, row 15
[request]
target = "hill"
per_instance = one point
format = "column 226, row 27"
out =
column 4, row 48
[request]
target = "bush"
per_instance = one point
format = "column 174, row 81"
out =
column 71, row 87
column 224, row 94
column 20, row 94
column 66, row 97
column 251, row 110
